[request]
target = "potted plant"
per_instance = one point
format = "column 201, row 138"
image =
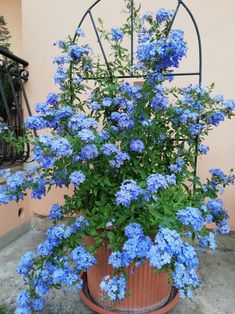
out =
column 129, row 153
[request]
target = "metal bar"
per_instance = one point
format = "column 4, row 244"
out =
column 132, row 32
column 84, row 16
column 173, row 19
column 17, row 105
column 200, row 80
column 198, row 37
column 144, row 76
column 2, row 152
column 100, row 44
column 5, row 104
column 13, row 57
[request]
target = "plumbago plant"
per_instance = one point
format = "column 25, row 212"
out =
column 129, row 152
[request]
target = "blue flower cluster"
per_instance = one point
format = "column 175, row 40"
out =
column 89, row 152
column 58, row 145
column 177, row 167
column 86, row 135
column 170, row 249
column 109, row 149
column 207, row 240
column 79, row 121
column 119, row 159
column 219, row 176
column 156, row 182
column 13, row 189
column 203, row 149
column 77, row 52
column 136, row 146
column 116, row 34
column 114, row 288
column 163, row 15
column 123, row 120
column 216, row 118
column 219, row 215
column 61, row 270
column 129, row 191
column 55, row 212
column 164, row 52
column 136, row 248
column 191, row 217
column 76, row 178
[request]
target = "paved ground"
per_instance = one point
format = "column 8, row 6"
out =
column 216, row 296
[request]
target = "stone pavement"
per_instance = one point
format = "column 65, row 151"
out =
column 216, row 296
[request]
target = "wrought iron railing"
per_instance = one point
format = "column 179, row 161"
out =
column 13, row 75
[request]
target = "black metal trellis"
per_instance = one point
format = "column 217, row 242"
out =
column 12, row 94
column 180, row 5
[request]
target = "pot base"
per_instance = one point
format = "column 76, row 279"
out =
column 87, row 299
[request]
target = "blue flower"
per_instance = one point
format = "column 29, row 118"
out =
column 60, row 75
column 38, row 304
column 159, row 102
column 223, row 226
column 133, row 230
column 77, row 52
column 158, row 181
column 61, row 147
column 219, row 174
column 116, row 34
column 125, row 121
column 45, row 248
column 137, row 247
column 52, row 99
column 64, row 112
column 103, row 135
column 34, row 122
column 163, row 15
column 191, row 217
column 129, row 191
column 216, row 118
column 84, row 260
column 77, row 177
column 55, row 212
column 114, row 288
column 79, row 121
column 89, row 152
column 119, row 159
column 207, row 240
column 80, row 32
column 23, row 299
column 119, row 259
column 108, row 149
column 23, row 310
column 26, row 263
column 136, row 146
column 107, row 102
column 203, row 149
column 195, row 129
column 230, row 105
column 176, row 168
column 42, row 108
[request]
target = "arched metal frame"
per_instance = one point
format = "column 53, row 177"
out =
column 180, row 5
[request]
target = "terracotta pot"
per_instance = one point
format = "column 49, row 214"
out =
column 149, row 290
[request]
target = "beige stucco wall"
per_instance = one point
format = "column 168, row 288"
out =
column 11, row 10
column 44, row 22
